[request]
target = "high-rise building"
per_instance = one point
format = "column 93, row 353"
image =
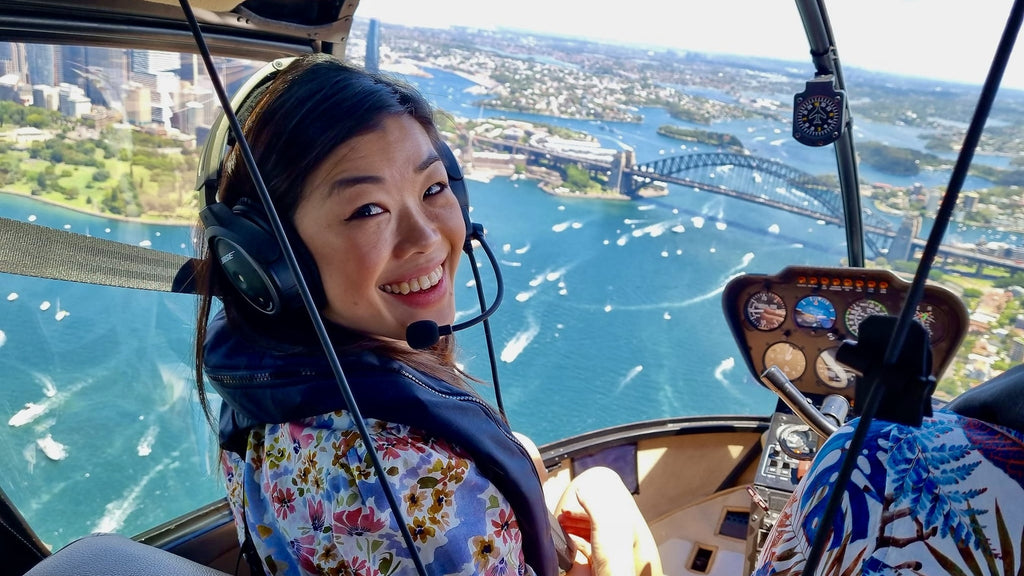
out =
column 372, row 63
column 41, row 64
column 44, row 96
column 138, row 107
column 6, row 57
column 188, row 118
column 105, row 71
column 16, row 62
column 73, row 101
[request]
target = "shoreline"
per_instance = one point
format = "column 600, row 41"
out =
column 134, row 220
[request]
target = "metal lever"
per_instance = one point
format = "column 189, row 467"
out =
column 823, row 424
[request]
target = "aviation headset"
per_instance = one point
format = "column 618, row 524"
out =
column 241, row 237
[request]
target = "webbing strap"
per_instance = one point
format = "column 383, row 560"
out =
column 29, row 249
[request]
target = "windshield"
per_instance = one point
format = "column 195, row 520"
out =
column 624, row 171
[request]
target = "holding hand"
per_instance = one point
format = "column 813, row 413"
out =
column 612, row 538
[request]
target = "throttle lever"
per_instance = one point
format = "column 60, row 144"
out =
column 824, row 424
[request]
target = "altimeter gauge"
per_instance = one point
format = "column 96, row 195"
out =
column 819, row 113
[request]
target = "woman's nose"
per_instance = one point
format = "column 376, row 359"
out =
column 418, row 233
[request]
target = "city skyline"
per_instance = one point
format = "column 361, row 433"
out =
column 907, row 37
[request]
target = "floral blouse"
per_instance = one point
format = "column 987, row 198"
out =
column 945, row 498
column 314, row 506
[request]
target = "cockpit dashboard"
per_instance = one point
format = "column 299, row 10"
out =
column 797, row 319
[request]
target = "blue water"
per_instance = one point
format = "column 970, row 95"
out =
column 609, row 317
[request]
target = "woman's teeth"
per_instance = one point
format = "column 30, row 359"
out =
column 415, row 284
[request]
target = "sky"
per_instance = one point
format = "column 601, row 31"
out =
column 944, row 39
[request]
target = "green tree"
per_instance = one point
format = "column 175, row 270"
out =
column 577, row 178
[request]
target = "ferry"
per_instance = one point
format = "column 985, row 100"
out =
column 106, row 104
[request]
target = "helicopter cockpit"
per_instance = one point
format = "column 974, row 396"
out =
column 704, row 254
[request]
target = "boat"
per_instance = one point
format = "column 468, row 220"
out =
column 685, row 415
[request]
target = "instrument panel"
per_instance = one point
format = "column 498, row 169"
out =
column 797, row 319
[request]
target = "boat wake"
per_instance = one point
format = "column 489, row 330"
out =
column 744, row 262
column 117, row 511
column 724, row 367
column 34, row 410
column 633, row 372
column 519, row 342
column 145, row 447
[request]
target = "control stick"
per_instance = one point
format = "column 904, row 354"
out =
column 826, row 421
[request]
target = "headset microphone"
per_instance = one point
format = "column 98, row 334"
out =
column 425, row 333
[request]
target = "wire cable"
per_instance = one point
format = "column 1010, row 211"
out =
column 483, row 304
column 895, row 345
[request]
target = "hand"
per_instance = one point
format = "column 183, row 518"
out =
column 612, row 538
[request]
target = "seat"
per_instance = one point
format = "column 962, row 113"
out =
column 941, row 498
column 999, row 401
column 116, row 555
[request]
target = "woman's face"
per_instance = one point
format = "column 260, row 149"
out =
column 385, row 230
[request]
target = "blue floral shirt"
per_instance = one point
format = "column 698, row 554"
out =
column 314, row 506
column 945, row 498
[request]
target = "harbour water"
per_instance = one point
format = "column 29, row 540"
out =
column 612, row 314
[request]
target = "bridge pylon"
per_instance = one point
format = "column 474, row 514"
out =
column 902, row 247
column 622, row 162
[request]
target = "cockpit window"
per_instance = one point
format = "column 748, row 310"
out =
column 104, row 430
column 621, row 181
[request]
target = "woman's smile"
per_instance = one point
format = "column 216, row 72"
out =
column 415, row 284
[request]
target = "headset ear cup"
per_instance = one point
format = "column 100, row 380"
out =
column 250, row 256
column 457, row 183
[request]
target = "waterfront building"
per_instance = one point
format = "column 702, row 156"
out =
column 45, row 96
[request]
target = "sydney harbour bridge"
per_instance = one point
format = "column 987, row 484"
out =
column 749, row 178
column 758, row 180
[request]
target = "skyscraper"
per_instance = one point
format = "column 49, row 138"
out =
column 373, row 46
column 41, row 64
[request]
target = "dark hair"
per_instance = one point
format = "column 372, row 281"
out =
column 314, row 105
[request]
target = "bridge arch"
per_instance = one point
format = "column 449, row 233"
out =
column 763, row 181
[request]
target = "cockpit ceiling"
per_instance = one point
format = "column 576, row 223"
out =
column 278, row 26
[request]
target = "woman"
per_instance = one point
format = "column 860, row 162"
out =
column 350, row 161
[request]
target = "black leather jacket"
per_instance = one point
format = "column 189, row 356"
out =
column 266, row 382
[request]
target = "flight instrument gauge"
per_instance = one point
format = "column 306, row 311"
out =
column 933, row 321
column 786, row 357
column 765, row 310
column 860, row 310
column 814, row 312
column 831, row 372
column 819, row 113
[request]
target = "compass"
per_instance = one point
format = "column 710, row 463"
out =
column 819, row 113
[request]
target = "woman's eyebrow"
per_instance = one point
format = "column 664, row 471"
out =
column 427, row 162
column 344, row 182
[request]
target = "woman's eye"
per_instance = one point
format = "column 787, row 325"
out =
column 436, row 188
column 365, row 211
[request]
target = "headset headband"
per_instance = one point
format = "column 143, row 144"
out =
column 220, row 138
